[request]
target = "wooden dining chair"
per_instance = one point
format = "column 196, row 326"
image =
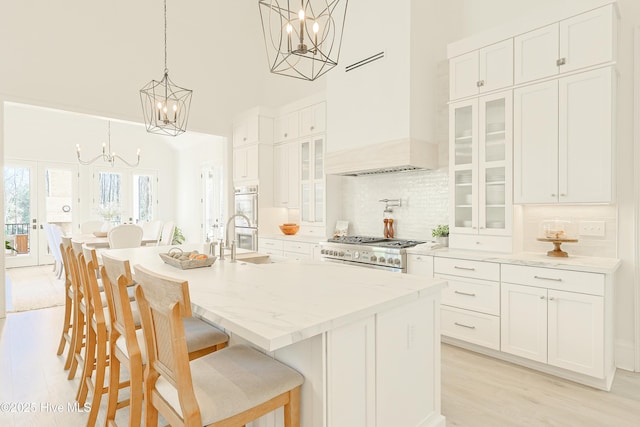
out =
column 127, row 345
column 67, row 325
column 230, row 387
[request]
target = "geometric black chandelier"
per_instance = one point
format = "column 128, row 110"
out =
column 302, row 37
column 107, row 155
column 165, row 105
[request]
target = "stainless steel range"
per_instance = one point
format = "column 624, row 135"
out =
column 371, row 252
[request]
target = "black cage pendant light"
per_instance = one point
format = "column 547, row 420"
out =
column 165, row 105
column 303, row 37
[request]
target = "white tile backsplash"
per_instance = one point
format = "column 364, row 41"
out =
column 605, row 246
column 424, row 196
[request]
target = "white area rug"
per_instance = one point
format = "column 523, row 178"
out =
column 33, row 288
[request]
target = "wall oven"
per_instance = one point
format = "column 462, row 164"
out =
column 246, row 203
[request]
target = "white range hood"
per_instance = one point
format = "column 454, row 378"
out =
column 381, row 100
column 383, row 157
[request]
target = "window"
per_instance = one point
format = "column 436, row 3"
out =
column 124, row 195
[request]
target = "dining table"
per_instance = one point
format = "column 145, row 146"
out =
column 366, row 341
column 101, row 241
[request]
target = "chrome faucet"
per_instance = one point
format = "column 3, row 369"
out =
column 233, row 252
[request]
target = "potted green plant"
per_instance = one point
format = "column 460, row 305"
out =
column 178, row 237
column 441, row 234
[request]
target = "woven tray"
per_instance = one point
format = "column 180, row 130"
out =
column 186, row 264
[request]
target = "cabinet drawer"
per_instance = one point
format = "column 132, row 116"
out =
column 471, row 294
column 298, row 247
column 477, row 328
column 271, row 244
column 268, row 251
column 422, row 265
column 550, row 278
column 466, row 268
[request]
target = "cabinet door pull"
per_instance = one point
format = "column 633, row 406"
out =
column 551, row 298
column 464, row 268
column 548, row 278
column 464, row 293
column 561, row 61
column 312, row 128
column 541, row 296
column 463, row 325
column 553, row 195
column 418, row 258
column 563, row 195
column 286, row 134
column 480, row 83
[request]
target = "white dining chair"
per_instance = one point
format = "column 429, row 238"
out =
column 151, row 230
column 168, row 229
column 125, row 236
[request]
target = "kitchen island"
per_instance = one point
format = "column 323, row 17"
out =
column 367, row 342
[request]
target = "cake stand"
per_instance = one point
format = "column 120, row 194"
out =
column 557, row 252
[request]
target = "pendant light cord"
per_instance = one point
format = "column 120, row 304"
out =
column 166, row 71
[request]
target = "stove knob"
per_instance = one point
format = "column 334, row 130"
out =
column 323, row 251
column 341, row 253
column 390, row 261
column 374, row 258
column 381, row 259
column 396, row 261
column 356, row 255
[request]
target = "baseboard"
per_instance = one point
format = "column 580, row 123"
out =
column 625, row 355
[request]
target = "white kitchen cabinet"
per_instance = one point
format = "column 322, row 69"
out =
column 286, row 174
column 313, row 119
column 422, row 265
column 584, row 40
column 298, row 250
column 245, row 164
column 555, row 317
column 270, row 246
column 480, row 71
column 563, row 139
column 252, row 127
column 312, row 179
column 480, row 166
column 470, row 303
column 286, row 127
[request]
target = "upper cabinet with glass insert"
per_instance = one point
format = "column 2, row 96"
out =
column 312, row 180
column 480, row 170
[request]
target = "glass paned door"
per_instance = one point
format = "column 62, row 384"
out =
column 37, row 193
column 463, row 151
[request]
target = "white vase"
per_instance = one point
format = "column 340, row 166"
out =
column 444, row 241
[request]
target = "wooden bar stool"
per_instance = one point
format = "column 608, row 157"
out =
column 126, row 344
column 74, row 356
column 230, row 387
column 65, row 335
column 95, row 355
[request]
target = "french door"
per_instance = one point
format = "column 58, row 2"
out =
column 36, row 193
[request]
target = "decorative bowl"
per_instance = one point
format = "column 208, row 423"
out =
column 289, row 229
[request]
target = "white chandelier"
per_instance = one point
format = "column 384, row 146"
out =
column 302, row 37
column 107, row 155
column 165, row 105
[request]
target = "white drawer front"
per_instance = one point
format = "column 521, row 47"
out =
column 269, row 251
column 299, row 247
column 467, row 268
column 477, row 328
column 270, row 243
column 422, row 265
column 550, row 278
column 471, row 294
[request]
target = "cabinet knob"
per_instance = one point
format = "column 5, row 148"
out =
column 480, row 83
column 563, row 195
column 244, row 139
column 541, row 296
column 551, row 298
column 312, row 128
column 286, row 134
column 561, row 61
column 553, row 195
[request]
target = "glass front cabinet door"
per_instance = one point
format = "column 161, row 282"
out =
column 480, row 132
column 312, row 205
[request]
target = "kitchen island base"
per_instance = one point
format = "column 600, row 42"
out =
column 383, row 371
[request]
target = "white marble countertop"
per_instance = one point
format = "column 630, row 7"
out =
column 295, row 238
column 572, row 262
column 275, row 305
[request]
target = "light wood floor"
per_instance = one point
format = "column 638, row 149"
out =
column 477, row 391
